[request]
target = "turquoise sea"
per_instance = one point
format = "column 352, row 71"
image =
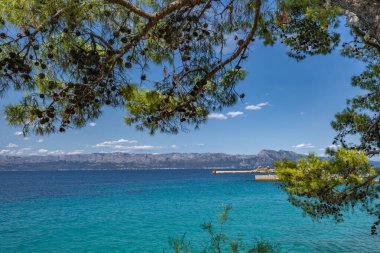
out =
column 137, row 211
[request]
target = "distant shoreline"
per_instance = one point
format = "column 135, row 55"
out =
column 128, row 161
column 105, row 169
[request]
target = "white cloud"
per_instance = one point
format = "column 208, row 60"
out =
column 142, row 147
column 4, row 152
column 302, row 145
column 252, row 107
column 40, row 140
column 18, row 133
column 75, row 152
column 92, row 124
column 333, row 147
column 123, row 145
column 114, row 144
column 56, row 152
column 43, row 151
column 200, row 144
column 256, row 107
column 263, row 104
column 12, row 145
column 124, row 149
column 174, row 146
column 22, row 151
column 234, row 114
column 217, row 116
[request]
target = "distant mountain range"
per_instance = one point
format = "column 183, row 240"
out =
column 109, row 161
column 104, row 161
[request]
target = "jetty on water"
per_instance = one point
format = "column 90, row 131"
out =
column 260, row 174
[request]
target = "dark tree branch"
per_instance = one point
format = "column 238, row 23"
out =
column 362, row 35
column 173, row 6
column 373, row 152
column 368, row 12
column 132, row 8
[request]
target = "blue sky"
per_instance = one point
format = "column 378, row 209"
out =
column 288, row 105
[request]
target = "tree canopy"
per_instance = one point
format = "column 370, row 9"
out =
column 72, row 58
column 330, row 187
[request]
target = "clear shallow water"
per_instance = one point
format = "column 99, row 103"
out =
column 136, row 211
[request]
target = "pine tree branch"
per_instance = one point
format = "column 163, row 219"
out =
column 173, row 6
column 362, row 35
column 153, row 20
column 176, row 5
column 132, row 7
column 368, row 12
column 373, row 152
column 245, row 43
column 196, row 90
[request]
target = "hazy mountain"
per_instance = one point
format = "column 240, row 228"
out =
column 107, row 161
column 144, row 161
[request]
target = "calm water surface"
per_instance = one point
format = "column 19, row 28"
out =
column 136, row 211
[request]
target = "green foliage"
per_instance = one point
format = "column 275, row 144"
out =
column 328, row 188
column 361, row 117
column 265, row 247
column 219, row 241
column 306, row 27
column 178, row 244
column 75, row 57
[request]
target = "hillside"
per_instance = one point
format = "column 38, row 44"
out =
column 111, row 161
column 144, row 161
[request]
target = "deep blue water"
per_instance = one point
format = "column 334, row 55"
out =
column 137, row 211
